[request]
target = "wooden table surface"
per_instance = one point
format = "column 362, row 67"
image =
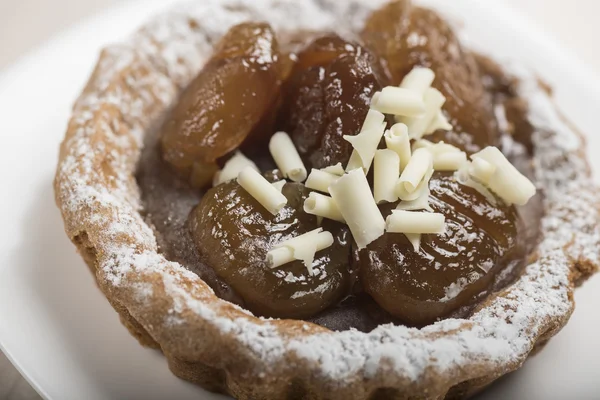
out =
column 21, row 29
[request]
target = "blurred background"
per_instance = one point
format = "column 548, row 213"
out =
column 27, row 24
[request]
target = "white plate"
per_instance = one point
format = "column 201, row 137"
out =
column 62, row 334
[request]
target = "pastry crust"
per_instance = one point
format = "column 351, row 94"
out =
column 224, row 348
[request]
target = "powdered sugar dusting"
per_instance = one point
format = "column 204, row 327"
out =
column 160, row 60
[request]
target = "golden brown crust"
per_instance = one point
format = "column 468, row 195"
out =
column 223, row 348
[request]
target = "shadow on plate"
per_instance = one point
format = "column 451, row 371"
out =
column 82, row 319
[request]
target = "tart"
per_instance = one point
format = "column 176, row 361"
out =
column 326, row 200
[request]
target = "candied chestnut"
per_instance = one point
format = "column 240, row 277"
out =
column 233, row 234
column 323, row 51
column 450, row 270
column 404, row 36
column 232, row 94
column 328, row 96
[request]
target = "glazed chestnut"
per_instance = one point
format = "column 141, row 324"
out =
column 450, row 270
column 233, row 234
column 403, row 37
column 328, row 96
column 232, row 94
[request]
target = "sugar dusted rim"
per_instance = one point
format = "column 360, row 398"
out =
column 135, row 82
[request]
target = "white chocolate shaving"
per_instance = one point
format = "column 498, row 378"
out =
column 362, row 144
column 418, row 167
column 373, row 120
column 440, row 147
column 301, row 247
column 280, row 256
column 483, row 190
column 481, row 170
column 306, row 253
column 400, row 221
column 462, row 174
column 446, row 157
column 396, row 139
column 353, row 197
column 420, row 203
column 298, row 240
column 365, row 145
column 320, row 180
column 419, row 79
column 418, row 126
column 506, row 182
column 259, row 188
column 279, row 185
column 421, row 143
column 322, row 206
column 286, row 157
column 415, row 240
column 232, row 168
column 398, row 101
column 423, row 186
column 439, row 122
column 336, row 169
column 450, row 161
column 386, row 171
column 463, row 177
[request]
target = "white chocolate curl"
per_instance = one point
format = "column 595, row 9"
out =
column 450, row 161
column 506, row 182
column 415, row 172
column 320, row 180
column 446, row 157
column 420, row 203
column 353, row 197
column 439, row 147
column 336, row 169
column 373, row 122
column 421, row 143
column 423, row 186
column 401, row 221
column 259, row 188
column 301, row 247
column 418, row 126
column 398, row 101
column 419, row 79
column 481, row 170
column 365, row 145
column 439, row 122
column 415, row 240
column 279, row 185
column 396, row 139
column 232, row 168
column 322, row 206
column 463, row 177
column 386, row 167
column 286, row 157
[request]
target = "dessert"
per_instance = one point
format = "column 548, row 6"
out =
column 291, row 212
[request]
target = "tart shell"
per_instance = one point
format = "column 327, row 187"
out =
column 226, row 349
